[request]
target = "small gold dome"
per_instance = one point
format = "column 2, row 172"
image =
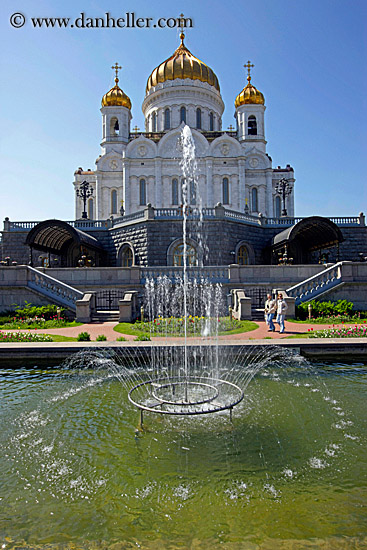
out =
column 182, row 64
column 116, row 96
column 249, row 95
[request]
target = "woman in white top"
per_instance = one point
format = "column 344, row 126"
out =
column 281, row 310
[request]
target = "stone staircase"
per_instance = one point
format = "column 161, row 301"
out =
column 105, row 316
column 257, row 314
column 317, row 285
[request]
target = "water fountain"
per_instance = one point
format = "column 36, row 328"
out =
column 179, row 388
column 289, row 471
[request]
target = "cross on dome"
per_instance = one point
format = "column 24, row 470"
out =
column 182, row 26
column 116, row 68
column 249, row 66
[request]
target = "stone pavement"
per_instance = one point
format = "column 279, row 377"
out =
column 95, row 329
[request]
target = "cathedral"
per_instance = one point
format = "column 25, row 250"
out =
column 129, row 211
column 139, row 168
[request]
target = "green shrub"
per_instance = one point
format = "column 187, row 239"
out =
column 83, row 337
column 324, row 309
column 101, row 338
column 47, row 312
column 121, row 339
column 143, row 338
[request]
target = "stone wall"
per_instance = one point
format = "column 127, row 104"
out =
column 152, row 239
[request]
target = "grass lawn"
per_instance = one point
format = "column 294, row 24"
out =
column 133, row 328
column 59, row 338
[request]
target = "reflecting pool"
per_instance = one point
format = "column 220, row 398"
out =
column 289, row 472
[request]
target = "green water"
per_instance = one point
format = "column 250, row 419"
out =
column 289, row 472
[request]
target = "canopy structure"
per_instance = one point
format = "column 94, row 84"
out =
column 307, row 236
column 61, row 239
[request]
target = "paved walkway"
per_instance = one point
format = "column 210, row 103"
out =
column 95, row 329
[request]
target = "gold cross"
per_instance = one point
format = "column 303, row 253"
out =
column 249, row 66
column 116, row 68
column 230, row 128
column 182, row 22
column 136, row 129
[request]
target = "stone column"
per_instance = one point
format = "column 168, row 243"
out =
column 126, row 186
column 158, row 183
column 209, row 183
column 242, row 184
column 269, row 193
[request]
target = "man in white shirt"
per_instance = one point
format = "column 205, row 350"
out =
column 270, row 309
column 281, row 310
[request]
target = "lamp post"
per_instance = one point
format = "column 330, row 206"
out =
column 283, row 189
column 84, row 192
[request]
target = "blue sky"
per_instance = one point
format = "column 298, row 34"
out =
column 309, row 63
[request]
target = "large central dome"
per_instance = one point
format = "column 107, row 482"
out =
column 182, row 64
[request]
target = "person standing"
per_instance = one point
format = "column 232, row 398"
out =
column 270, row 309
column 281, row 310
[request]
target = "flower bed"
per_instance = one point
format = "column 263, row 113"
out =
column 357, row 331
column 196, row 326
column 24, row 337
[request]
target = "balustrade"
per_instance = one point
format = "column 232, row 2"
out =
column 317, row 284
column 53, row 289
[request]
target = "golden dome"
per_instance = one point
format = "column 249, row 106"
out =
column 249, row 95
column 182, row 64
column 116, row 96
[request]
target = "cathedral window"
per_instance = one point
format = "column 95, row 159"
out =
column 114, row 127
column 167, row 119
column 175, row 191
column 127, row 257
column 192, row 192
column 198, row 119
column 114, row 201
column 154, row 122
column 211, row 122
column 142, row 192
column 90, row 209
column 183, row 114
column 278, row 207
column 254, row 201
column 252, row 126
column 225, row 191
column 178, row 255
column 242, row 255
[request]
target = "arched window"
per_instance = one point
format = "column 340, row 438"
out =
column 90, row 209
column 183, row 114
column 252, row 126
column 254, row 202
column 242, row 255
column 198, row 118
column 192, row 192
column 278, row 207
column 154, row 122
column 142, row 192
column 114, row 127
column 127, row 257
column 211, row 122
column 167, row 119
column 114, row 201
column 225, row 191
column 178, row 255
column 175, row 191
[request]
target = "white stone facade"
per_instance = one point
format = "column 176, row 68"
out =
column 135, row 169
